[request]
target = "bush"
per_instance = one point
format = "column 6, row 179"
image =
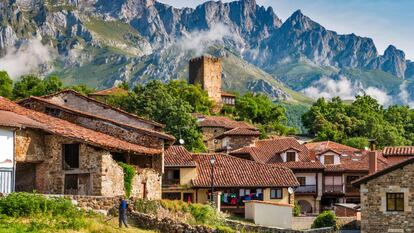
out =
column 129, row 173
column 325, row 219
column 147, row 206
column 175, row 206
column 204, row 214
column 225, row 229
column 43, row 212
column 296, row 209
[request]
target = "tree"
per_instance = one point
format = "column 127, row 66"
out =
column 353, row 124
column 164, row 103
column 260, row 110
column 34, row 86
column 6, row 85
column 325, row 219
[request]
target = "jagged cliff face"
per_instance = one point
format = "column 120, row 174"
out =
column 101, row 42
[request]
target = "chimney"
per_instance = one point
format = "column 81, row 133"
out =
column 372, row 157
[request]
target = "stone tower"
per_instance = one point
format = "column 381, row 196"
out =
column 206, row 71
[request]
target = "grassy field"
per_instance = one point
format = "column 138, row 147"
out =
column 96, row 224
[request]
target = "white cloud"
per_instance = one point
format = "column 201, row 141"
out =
column 405, row 96
column 345, row 89
column 199, row 41
column 25, row 59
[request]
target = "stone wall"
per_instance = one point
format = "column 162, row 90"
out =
column 165, row 225
column 129, row 134
column 374, row 216
column 250, row 227
column 209, row 135
column 84, row 104
column 236, row 142
column 112, row 177
column 29, row 146
column 147, row 184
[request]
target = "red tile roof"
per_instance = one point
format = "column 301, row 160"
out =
column 398, row 151
column 11, row 119
column 110, row 91
column 178, row 156
column 302, row 165
column 355, row 161
column 382, row 172
column 319, row 147
column 69, row 130
column 222, row 122
column 230, row 171
column 88, row 115
column 268, row 151
column 226, row 94
column 240, row 132
column 104, row 105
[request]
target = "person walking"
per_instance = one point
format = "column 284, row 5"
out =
column 123, row 205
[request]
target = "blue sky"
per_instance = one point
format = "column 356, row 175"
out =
column 385, row 21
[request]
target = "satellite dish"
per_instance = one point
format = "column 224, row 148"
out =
column 291, row 190
column 181, row 141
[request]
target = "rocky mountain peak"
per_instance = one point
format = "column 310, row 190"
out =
column 301, row 22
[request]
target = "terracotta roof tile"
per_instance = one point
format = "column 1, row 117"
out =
column 65, row 108
column 240, row 132
column 319, row 147
column 104, row 105
column 398, row 151
column 221, row 121
column 12, row 119
column 226, row 94
column 268, row 151
column 356, row 161
column 178, row 156
column 66, row 129
column 230, row 171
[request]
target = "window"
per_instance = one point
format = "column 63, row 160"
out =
column 302, row 181
column 52, row 111
column 395, row 201
column 350, row 179
column 71, row 184
column 290, row 156
column 70, row 154
column 329, row 159
column 276, row 193
column 173, row 174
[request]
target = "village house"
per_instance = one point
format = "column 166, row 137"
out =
column 189, row 177
column 387, row 198
column 343, row 165
column 289, row 153
column 222, row 134
column 66, row 143
column 104, row 95
column 396, row 154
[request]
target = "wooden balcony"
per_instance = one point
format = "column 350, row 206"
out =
column 334, row 189
column 170, row 182
column 306, row 189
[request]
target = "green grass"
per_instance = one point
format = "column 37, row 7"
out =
column 117, row 34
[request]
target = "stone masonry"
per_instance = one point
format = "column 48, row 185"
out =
column 374, row 216
column 206, row 71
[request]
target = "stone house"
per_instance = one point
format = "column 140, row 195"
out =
column 222, row 134
column 289, row 153
column 188, row 177
column 387, row 199
column 74, row 146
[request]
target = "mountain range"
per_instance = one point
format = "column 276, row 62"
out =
column 103, row 42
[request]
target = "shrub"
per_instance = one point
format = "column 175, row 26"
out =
column 325, row 219
column 175, row 206
column 204, row 214
column 129, row 173
column 225, row 229
column 147, row 206
column 296, row 209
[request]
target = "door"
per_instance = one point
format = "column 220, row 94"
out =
column 6, row 161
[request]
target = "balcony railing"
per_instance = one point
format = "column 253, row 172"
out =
column 333, row 189
column 169, row 182
column 306, row 189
